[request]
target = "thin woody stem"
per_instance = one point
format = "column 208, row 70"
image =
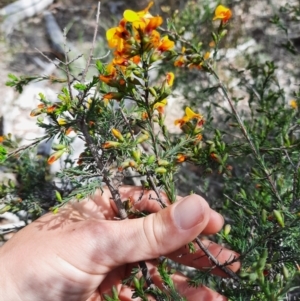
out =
column 67, row 64
column 148, row 279
column 116, row 197
column 246, row 134
column 94, row 150
column 159, row 199
column 93, row 45
column 216, row 262
column 21, row 148
column 150, row 178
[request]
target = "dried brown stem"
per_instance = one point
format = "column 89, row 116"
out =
column 216, row 262
column 93, row 45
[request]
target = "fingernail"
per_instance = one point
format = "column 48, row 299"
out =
column 189, row 212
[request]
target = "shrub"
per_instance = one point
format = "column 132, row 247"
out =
column 248, row 145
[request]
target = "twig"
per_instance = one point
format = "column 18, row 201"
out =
column 159, row 199
column 153, row 186
column 142, row 264
column 246, row 135
column 102, row 57
column 241, row 206
column 216, row 262
column 148, row 279
column 127, row 123
column 67, row 65
column 114, row 192
column 236, row 203
column 21, row 148
column 93, row 45
column 52, row 61
column 178, row 37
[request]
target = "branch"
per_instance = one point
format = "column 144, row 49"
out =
column 216, row 262
column 93, row 45
column 94, row 150
column 149, row 176
column 246, row 134
column 67, row 66
column 21, row 148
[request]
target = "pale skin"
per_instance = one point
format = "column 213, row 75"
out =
column 83, row 250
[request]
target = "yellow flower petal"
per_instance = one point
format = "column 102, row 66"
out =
column 170, row 78
column 222, row 13
column 191, row 114
column 131, row 16
column 110, row 33
column 159, row 106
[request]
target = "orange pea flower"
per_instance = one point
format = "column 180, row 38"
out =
column 222, row 13
column 212, row 44
column 189, row 115
column 112, row 95
column 120, row 61
column 136, row 59
column 181, row 158
column 116, row 37
column 143, row 20
column 198, row 137
column 165, row 44
column 170, row 78
column 41, row 106
column 160, row 106
column 215, row 157
column 55, row 156
column 154, row 40
column 110, row 144
column 131, row 16
column 51, row 109
column 180, row 61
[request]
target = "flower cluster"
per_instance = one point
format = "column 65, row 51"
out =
column 137, row 34
column 191, row 61
column 195, row 60
column 137, row 44
column 133, row 40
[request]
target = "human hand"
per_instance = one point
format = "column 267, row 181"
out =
column 82, row 251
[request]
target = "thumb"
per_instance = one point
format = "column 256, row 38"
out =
column 157, row 234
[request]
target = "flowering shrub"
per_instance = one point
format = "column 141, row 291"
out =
column 120, row 115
